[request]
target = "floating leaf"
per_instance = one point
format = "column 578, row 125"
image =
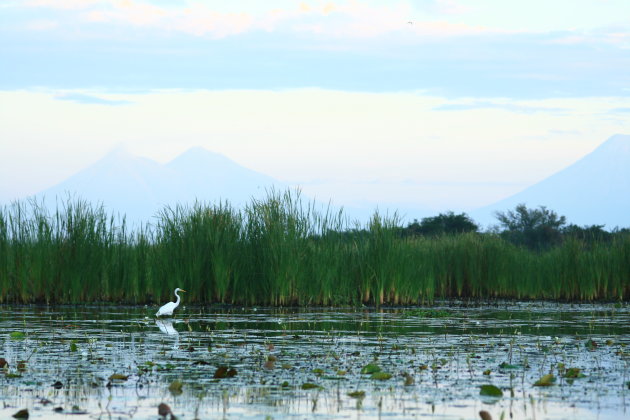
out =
column 21, row 365
column 490, row 391
column 22, row 414
column 546, row 380
column 574, row 373
column 487, row 372
column 13, row 375
column 381, row 376
column 409, row 379
column 590, row 344
column 77, row 410
column 176, row 387
column 224, row 372
column 73, row 346
column 318, row 371
column 505, row 365
column 370, row 369
column 164, row 410
column 118, row 377
column 309, row 385
column 333, row 378
column 221, row 372
column 356, row 394
column 17, row 335
column 485, row 415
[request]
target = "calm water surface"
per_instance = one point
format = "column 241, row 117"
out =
column 61, row 361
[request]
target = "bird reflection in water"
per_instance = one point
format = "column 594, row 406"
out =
column 166, row 326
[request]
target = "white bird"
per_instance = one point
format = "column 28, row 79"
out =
column 168, row 308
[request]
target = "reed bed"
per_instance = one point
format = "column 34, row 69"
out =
column 283, row 251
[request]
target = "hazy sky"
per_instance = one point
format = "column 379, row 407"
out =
column 439, row 104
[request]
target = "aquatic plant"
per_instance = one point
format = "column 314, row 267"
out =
column 283, row 250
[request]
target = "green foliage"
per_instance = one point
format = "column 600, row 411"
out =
column 282, row 251
column 534, row 228
column 589, row 234
column 490, row 391
column 443, row 224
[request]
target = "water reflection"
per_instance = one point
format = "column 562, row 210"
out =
column 166, row 326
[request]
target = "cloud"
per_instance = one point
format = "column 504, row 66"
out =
column 65, row 4
column 507, row 106
column 619, row 110
column 348, row 19
column 41, row 25
column 89, row 99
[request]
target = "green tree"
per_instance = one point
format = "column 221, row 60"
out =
column 442, row 224
column 588, row 234
column 538, row 229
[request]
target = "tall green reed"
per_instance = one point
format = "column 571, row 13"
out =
column 282, row 250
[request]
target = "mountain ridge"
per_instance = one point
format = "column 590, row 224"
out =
column 593, row 190
column 139, row 187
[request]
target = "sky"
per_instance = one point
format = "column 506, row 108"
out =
column 429, row 104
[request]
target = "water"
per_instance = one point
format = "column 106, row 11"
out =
column 438, row 358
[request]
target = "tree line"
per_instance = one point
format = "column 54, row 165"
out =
column 535, row 228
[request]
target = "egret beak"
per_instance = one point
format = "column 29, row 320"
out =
column 181, row 290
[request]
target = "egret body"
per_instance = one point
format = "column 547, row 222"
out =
column 170, row 307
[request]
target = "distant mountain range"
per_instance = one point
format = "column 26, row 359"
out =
column 139, row 187
column 593, row 190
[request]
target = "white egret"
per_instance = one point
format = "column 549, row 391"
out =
column 170, row 307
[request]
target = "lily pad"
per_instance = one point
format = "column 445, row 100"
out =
column 370, row 369
column 356, row 394
column 22, row 414
column 490, row 391
column 590, row 344
column 547, row 380
column 118, row 377
column 224, row 372
column 381, row 376
column 176, row 387
column 485, row 415
column 506, row 365
column 574, row 373
column 164, row 409
column 17, row 335
column 309, row 385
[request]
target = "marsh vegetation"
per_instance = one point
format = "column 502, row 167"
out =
column 282, row 251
